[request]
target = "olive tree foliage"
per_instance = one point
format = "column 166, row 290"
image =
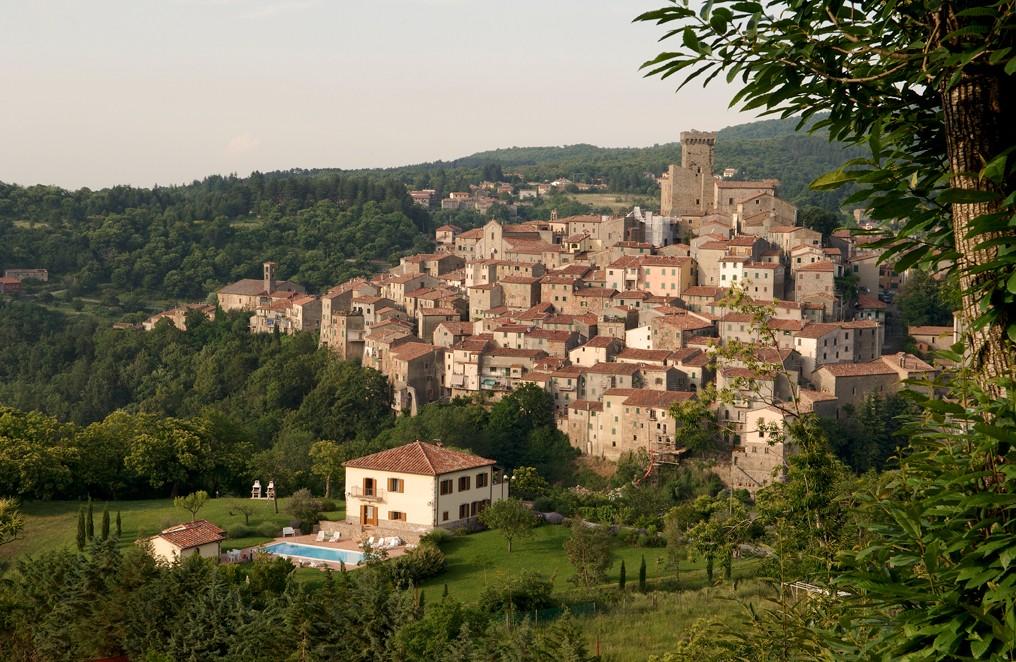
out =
column 927, row 86
column 12, row 522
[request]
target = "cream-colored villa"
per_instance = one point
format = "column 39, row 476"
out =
column 199, row 537
column 420, row 486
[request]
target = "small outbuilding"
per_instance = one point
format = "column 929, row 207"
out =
column 199, row 537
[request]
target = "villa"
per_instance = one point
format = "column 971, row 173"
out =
column 420, row 486
column 200, row 537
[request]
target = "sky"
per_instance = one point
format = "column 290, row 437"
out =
column 146, row 92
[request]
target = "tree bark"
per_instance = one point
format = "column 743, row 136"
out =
column 978, row 120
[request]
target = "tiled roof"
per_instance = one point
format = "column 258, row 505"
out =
column 613, row 368
column 934, row 331
column 419, row 458
column 635, row 354
column 814, row 331
column 818, row 266
column 868, row 302
column 876, row 367
column 411, row 351
column 586, row 405
column 602, row 342
column 192, row 534
column 685, row 322
column 657, row 399
column 761, row 183
column 600, row 292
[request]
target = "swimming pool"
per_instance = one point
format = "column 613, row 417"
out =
column 311, row 552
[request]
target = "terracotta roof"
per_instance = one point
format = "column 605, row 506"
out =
column 419, row 458
column 635, row 354
column 818, row 266
column 869, row 302
column 476, row 233
column 761, row 183
column 411, row 351
column 602, row 342
column 192, row 534
column 907, row 362
column 437, row 312
column 815, row 331
column 613, row 368
column 934, row 331
column 657, row 399
column 446, row 228
column 743, row 240
column 876, row 367
column 714, row 246
column 256, row 286
column 518, row 353
column 586, row 405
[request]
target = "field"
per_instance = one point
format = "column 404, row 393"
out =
column 615, row 201
column 476, row 560
column 641, row 625
column 54, row 524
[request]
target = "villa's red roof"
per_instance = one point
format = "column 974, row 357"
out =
column 419, row 458
column 193, row 534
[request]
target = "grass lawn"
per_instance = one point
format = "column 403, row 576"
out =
column 478, row 559
column 54, row 524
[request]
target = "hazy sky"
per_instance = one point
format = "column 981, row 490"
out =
column 141, row 92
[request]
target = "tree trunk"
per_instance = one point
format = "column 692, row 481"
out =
column 328, row 486
column 978, row 126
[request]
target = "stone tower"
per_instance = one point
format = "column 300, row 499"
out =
column 687, row 189
column 269, row 277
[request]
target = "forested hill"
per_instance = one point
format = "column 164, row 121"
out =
column 763, row 149
column 128, row 246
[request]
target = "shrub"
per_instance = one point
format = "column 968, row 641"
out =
column 269, row 530
column 528, row 591
column 328, row 506
column 544, row 504
column 437, row 537
column 241, row 531
column 418, row 564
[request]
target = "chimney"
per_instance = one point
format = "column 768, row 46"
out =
column 269, row 277
column 902, row 359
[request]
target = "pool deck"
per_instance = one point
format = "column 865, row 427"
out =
column 312, row 541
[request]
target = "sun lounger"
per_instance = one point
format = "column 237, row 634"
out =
column 336, row 536
column 320, row 536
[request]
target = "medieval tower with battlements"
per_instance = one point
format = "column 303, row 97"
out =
column 687, row 189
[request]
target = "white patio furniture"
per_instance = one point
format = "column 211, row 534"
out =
column 288, row 531
column 336, row 536
column 320, row 536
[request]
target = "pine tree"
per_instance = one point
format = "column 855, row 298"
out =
column 81, row 529
column 90, row 522
column 642, row 575
column 119, row 527
column 622, row 579
column 105, row 524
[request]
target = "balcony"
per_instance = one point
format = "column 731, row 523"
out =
column 373, row 494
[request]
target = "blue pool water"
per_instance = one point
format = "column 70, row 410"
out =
column 312, row 552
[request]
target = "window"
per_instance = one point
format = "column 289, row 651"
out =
column 444, row 516
column 464, row 511
column 474, row 508
column 481, row 479
column 396, row 516
column 396, row 485
column 446, row 486
column 464, row 483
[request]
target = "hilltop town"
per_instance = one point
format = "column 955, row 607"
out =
column 620, row 318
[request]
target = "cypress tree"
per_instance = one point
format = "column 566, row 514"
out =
column 90, row 522
column 105, row 524
column 622, row 579
column 81, row 529
column 421, row 604
column 119, row 528
column 642, row 574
